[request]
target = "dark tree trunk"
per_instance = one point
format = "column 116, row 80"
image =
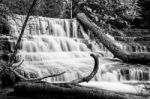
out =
column 65, row 91
column 125, row 56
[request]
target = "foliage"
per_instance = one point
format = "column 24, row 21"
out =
column 107, row 11
column 118, row 13
column 144, row 22
column 48, row 8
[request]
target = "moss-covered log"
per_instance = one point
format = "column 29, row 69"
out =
column 65, row 91
column 125, row 56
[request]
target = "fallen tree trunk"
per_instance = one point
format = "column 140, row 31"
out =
column 65, row 91
column 120, row 87
column 143, row 58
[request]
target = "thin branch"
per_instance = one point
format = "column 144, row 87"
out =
column 33, row 79
column 39, row 79
column 22, row 31
column 15, row 67
column 17, row 74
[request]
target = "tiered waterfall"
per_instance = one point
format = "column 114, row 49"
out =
column 51, row 46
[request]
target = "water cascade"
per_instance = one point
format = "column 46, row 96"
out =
column 51, row 46
column 135, row 44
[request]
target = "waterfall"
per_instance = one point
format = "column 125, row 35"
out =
column 135, row 44
column 51, row 46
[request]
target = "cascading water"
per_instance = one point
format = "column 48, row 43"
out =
column 48, row 41
column 51, row 46
column 135, row 44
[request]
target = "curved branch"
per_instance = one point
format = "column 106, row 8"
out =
column 34, row 79
column 84, row 79
column 92, row 74
column 15, row 67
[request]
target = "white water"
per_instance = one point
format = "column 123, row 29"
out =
column 51, row 46
column 118, row 87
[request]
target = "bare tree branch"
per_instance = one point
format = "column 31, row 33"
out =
column 15, row 67
column 92, row 74
column 33, row 79
column 22, row 31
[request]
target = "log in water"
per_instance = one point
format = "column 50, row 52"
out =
column 52, row 46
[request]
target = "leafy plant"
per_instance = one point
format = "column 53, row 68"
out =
column 46, row 8
column 114, row 12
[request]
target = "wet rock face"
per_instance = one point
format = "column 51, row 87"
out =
column 6, row 48
column 7, row 45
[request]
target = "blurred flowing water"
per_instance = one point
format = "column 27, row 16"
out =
column 51, row 46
